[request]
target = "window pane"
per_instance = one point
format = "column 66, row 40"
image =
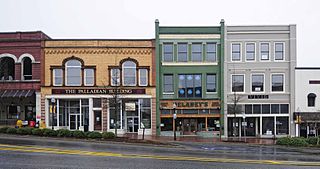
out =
column 275, row 109
column 211, row 83
column 257, row 83
column 182, row 86
column 277, row 82
column 284, row 108
column 279, row 51
column 89, row 75
column 282, row 124
column 73, row 68
column 182, row 52
column 237, row 83
column 115, row 77
column 266, row 109
column 211, row 52
column 248, row 109
column 250, row 51
column 143, row 77
column 267, row 125
column 196, row 52
column 57, row 79
column 129, row 73
column 168, row 83
column 168, row 52
column 264, row 50
column 236, row 52
column 257, row 109
column 27, row 69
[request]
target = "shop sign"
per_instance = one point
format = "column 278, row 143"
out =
column 190, row 104
column 98, row 91
column 258, row 96
column 130, row 106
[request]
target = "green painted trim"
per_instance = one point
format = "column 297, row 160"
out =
column 189, row 30
column 158, row 80
column 221, row 63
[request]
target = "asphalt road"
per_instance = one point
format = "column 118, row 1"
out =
column 28, row 152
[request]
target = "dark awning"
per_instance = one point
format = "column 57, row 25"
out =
column 16, row 93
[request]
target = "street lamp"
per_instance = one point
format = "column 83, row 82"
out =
column 244, row 126
column 174, row 121
column 53, row 101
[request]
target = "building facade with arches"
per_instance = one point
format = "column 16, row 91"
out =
column 99, row 85
column 20, row 76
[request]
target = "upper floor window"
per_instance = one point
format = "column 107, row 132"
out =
column 168, row 52
column 57, row 77
column 311, row 99
column 27, row 69
column 115, row 77
column 7, row 68
column 211, row 83
column 168, row 83
column 237, row 83
column 257, row 83
column 264, row 51
column 182, row 52
column 73, row 73
column 236, row 52
column 250, row 51
column 277, row 82
column 190, row 85
column 196, row 52
column 88, row 77
column 279, row 51
column 211, row 52
column 129, row 73
column 143, row 77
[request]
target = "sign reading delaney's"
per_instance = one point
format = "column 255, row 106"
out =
column 190, row 104
column 98, row 91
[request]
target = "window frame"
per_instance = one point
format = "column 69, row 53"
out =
column 240, row 52
column 85, row 77
column 313, row 101
column 201, row 52
column 260, row 51
column 215, row 84
column 164, row 84
column 251, row 82
column 283, row 52
column 123, row 72
column 207, row 52
column 66, row 72
column 23, row 67
column 54, row 75
column 118, row 78
column 244, row 83
column 146, row 77
column 194, row 95
column 284, row 79
column 164, row 52
column 254, row 52
column 184, row 52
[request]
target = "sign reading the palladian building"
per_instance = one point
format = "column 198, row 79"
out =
column 190, row 104
column 98, row 91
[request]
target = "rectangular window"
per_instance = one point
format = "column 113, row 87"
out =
column 275, row 109
column 277, row 83
column 143, row 77
column 284, row 108
column 266, row 109
column 237, row 83
column 115, row 77
column 282, row 125
column 279, row 51
column 248, row 109
column 57, row 77
column 168, row 52
column 182, row 52
column 168, row 83
column 211, row 83
column 196, row 52
column 88, row 77
column 236, row 52
column 211, row 52
column 257, row 83
column 257, row 109
column 268, row 126
column 264, row 51
column 189, row 86
column 250, row 51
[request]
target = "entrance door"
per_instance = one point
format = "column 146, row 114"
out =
column 74, row 121
column 189, row 126
column 97, row 120
column 132, row 124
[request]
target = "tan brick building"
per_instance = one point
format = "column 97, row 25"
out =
column 98, row 85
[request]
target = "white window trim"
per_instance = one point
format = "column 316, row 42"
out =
column 85, row 78
column 118, row 78
column 264, row 84
column 147, row 79
column 234, row 43
column 178, row 52
column 165, row 43
column 206, row 54
column 284, row 52
column 216, row 83
column 135, row 79
column 244, row 83
column 168, row 93
column 255, row 52
column 53, row 78
column 284, row 83
column 260, row 56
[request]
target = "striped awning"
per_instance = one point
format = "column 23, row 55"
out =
column 16, row 93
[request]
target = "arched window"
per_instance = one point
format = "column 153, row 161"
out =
column 129, row 73
column 311, row 99
column 27, row 69
column 7, row 68
column 73, row 73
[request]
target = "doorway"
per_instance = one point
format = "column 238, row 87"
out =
column 74, row 121
column 132, row 124
column 189, row 126
column 97, row 120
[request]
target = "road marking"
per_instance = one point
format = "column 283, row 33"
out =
column 35, row 149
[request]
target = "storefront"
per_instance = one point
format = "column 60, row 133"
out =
column 193, row 117
column 307, row 124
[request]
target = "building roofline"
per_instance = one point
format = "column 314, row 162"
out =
column 307, row 68
column 96, row 39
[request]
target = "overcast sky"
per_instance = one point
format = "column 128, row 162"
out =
column 135, row 19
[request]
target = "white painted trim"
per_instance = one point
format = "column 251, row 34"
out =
column 284, row 51
column 264, row 84
column 259, row 115
column 10, row 56
column 244, row 83
column 269, row 54
column 76, row 96
column 258, row 32
column 190, row 36
column 189, row 63
column 284, row 82
column 26, row 55
column 231, row 59
column 255, row 51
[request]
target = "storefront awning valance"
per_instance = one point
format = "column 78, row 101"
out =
column 16, row 93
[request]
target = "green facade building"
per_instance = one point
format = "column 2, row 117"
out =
column 189, row 66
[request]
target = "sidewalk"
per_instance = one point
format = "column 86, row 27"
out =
column 262, row 141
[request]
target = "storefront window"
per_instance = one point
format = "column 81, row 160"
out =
column 97, row 102
column 85, row 112
column 63, row 113
column 145, row 107
column 213, row 124
column 282, row 124
column 166, row 124
column 268, row 125
column 113, row 119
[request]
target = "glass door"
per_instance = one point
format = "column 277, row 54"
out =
column 132, row 124
column 97, row 120
column 74, row 121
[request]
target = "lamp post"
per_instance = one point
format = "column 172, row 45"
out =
column 244, row 126
column 174, row 117
column 53, row 101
